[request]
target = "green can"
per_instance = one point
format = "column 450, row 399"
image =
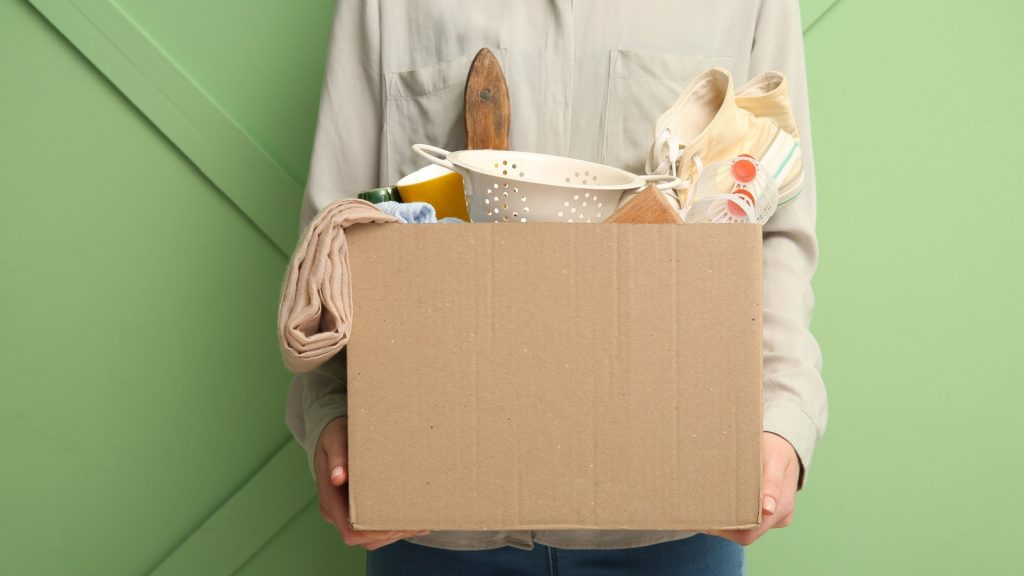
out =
column 378, row 195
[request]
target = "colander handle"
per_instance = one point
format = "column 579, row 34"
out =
column 434, row 154
column 667, row 181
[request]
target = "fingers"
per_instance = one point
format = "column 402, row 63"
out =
column 334, row 444
column 774, row 473
column 332, row 505
column 400, row 536
column 377, row 538
column 780, row 471
column 785, row 521
column 727, row 534
column 780, row 518
column 742, row 537
column 331, row 467
column 353, row 537
column 748, row 537
column 364, row 537
column 381, row 543
column 787, row 503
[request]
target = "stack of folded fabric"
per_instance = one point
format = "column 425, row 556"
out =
column 315, row 313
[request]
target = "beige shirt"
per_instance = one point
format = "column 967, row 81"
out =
column 587, row 79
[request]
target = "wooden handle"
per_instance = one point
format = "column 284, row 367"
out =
column 650, row 207
column 487, row 104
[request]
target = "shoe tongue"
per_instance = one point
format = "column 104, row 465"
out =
column 767, row 96
column 725, row 126
column 732, row 132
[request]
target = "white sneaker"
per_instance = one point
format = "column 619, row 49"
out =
column 709, row 124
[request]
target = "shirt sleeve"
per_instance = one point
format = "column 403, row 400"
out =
column 345, row 161
column 795, row 403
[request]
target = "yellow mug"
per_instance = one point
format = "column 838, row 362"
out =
column 437, row 186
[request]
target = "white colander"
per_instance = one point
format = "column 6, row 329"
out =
column 508, row 186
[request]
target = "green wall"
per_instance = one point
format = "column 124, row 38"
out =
column 916, row 120
column 141, row 392
column 141, row 383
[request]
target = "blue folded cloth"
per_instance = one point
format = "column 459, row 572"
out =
column 415, row 213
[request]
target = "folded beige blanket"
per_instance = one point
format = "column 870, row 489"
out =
column 315, row 313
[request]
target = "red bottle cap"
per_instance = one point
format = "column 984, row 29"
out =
column 744, row 171
column 733, row 207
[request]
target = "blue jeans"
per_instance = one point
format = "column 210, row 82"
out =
column 698, row 555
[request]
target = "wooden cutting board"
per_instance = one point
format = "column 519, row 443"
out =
column 487, row 104
column 648, row 207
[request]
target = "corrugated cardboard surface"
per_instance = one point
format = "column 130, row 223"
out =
column 551, row 376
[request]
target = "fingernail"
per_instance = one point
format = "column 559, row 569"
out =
column 423, row 532
column 769, row 504
column 336, row 472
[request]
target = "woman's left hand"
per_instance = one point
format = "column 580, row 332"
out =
column 780, row 471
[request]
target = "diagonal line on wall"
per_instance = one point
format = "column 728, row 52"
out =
column 253, row 515
column 811, row 11
column 200, row 128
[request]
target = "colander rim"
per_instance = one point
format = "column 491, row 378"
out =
column 636, row 181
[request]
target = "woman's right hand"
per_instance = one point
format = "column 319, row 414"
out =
column 331, row 467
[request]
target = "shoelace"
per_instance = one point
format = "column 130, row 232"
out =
column 668, row 148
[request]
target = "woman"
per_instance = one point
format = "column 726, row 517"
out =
column 587, row 79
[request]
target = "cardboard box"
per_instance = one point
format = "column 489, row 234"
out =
column 555, row 376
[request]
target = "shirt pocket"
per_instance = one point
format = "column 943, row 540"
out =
column 426, row 106
column 641, row 87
